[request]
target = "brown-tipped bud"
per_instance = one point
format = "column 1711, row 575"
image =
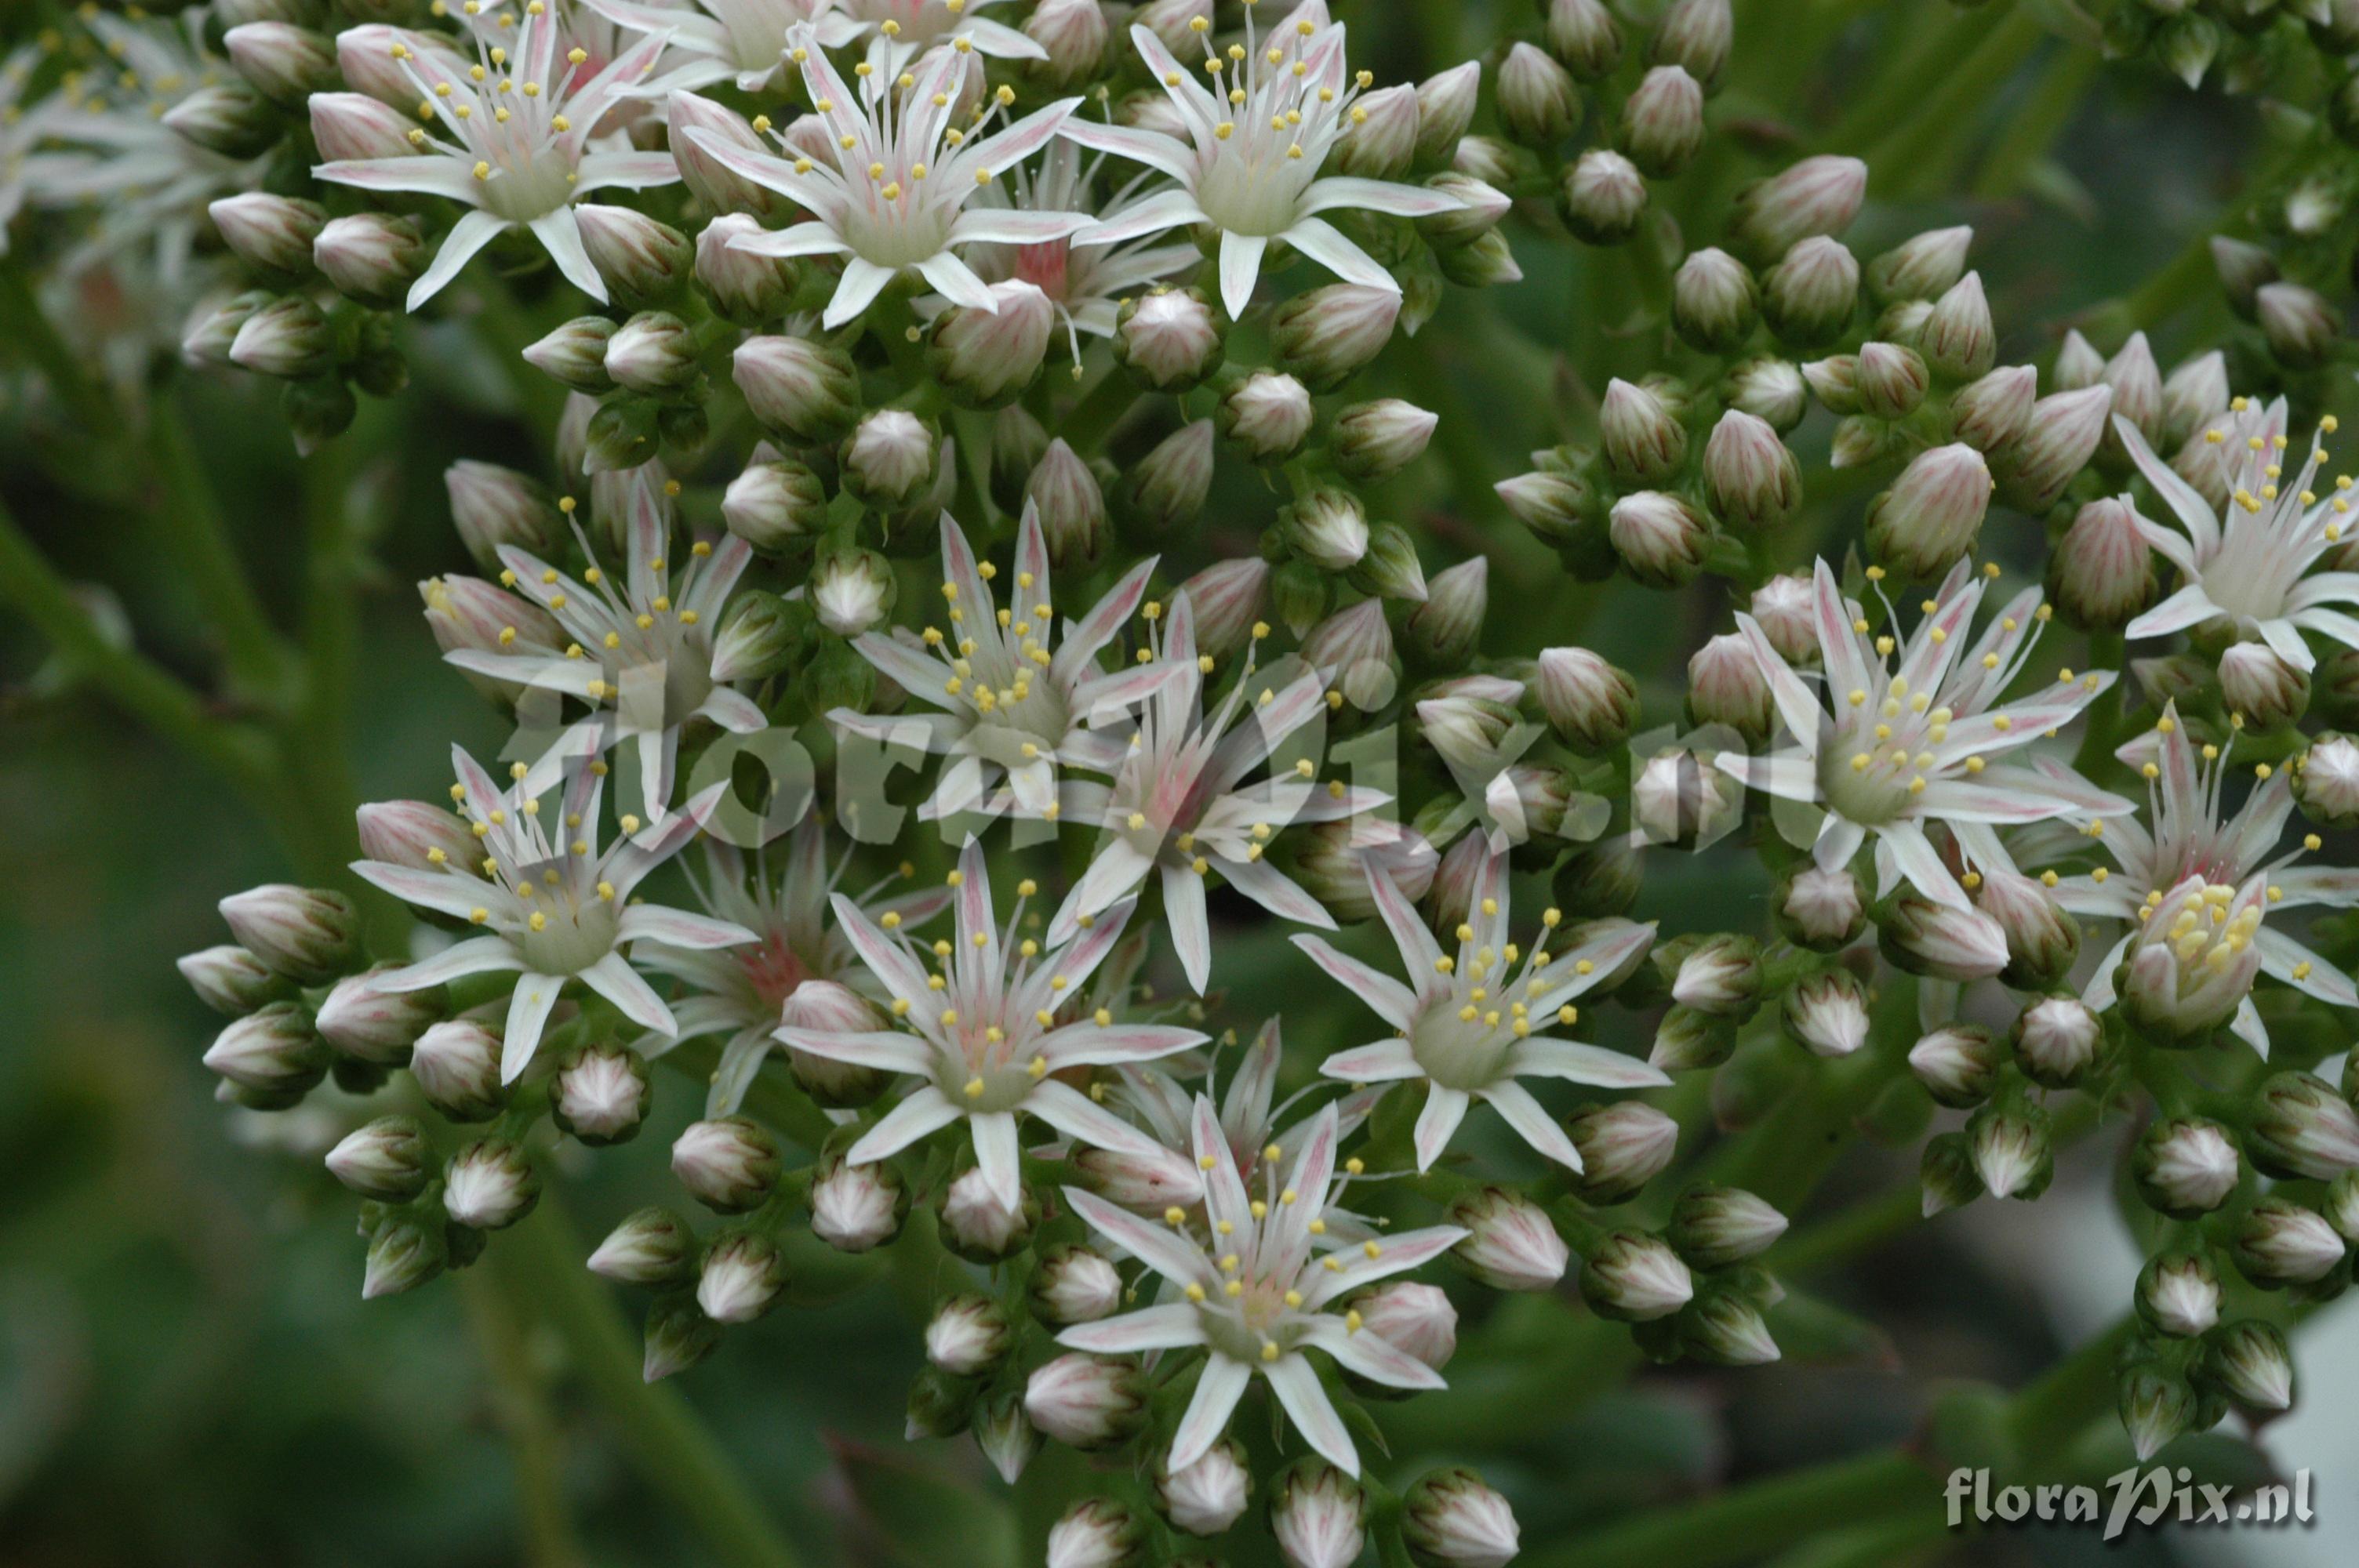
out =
column 1510, row 1243
column 1087, row 1402
column 456, row 1065
column 856, row 1209
column 2179, row 1293
column 1932, row 513
column 1445, row 109
column 1318, row 1515
column 1726, row 685
column 968, row 1333
column 2185, row 1166
column 2301, row 1129
column 1772, row 390
column 2259, row 683
column 601, row 1094
column 1074, row 1284
column 233, row 981
column 1945, row 1176
column 1828, row 1013
column 1169, row 339
column 2058, row 1040
column 2301, row 327
column 2042, row 941
column 1958, row 1064
column 776, row 506
column 888, row 460
column 1891, row 381
column 1923, row 267
column 1585, row 35
column 385, row 1160
column 1443, row 630
column 490, row 1184
column 1662, row 121
column 574, row 354
column 741, row 1277
column 1632, row 1277
column 1751, row 480
column 272, row 234
column 1822, row 910
column 1592, row 705
column 1809, row 296
column 1659, row 538
column 643, row 262
column 1268, row 414
column 1602, row 198
column 799, row 389
column 1373, row 440
column 2244, row 270
column 1623, row 1146
column 1957, row 339
column 308, row 935
column 1326, row 529
column 2279, row 1242
column 1382, row 141
column 2101, row 573
column 1988, row 414
column 2251, row 1363
column 1834, row 382
column 1816, row 196
column 1450, row 1518
column 1696, row 34
column 1539, row 104
column 1643, row 442
column 2326, row 782
column 1715, row 303
column 1324, row 335
column 1712, row 1228
column 2012, row 1151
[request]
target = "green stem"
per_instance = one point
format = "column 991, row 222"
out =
column 678, row 1456
column 1741, row 1525
column 2034, row 130
column 194, row 533
column 520, row 1405
column 1964, row 86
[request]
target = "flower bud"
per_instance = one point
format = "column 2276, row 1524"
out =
column 2042, row 941
column 2301, row 1129
column 797, row 389
column 2326, row 780
column 1480, row 208
column 1712, row 1228
column 1688, row 1040
column 225, row 117
column 2251, row 1363
column 1168, row 339
column 1445, row 108
column 2301, row 327
column 1510, row 1243
column 1585, row 35
column 654, row 352
column 985, row 358
column 650, row 1247
column 2279, row 1242
column 2155, row 1406
column 288, row 338
column 1958, row 1064
column 1750, row 479
column 2011, row 1150
column 1601, row 880
column 741, row 1277
column 1267, row 413
column 1228, row 598
column 1373, row 440
column 1643, row 443
column 1662, row 121
column 283, row 62
column 1816, row 196
column 456, row 1065
column 1924, row 267
column 2244, row 270
column 1165, row 490
column 1324, row 335
column 384, row 1161
column 1697, row 35
column 1382, row 143
column 888, row 459
column 2179, row 1293
column 1809, row 296
column 1938, row 941
column 642, row 261
column 272, row 234
column 2057, row 1041
column 1933, row 512
column 2137, row 382
column 575, row 354
column 1074, row 1284
column 968, row 1335
column 1715, row 303
column 856, row 1209
column 978, row 1227
column 1891, row 381
column 1331, row 862
column 1822, row 910
column 1556, row 506
column 1959, row 340
column 492, row 506
column 1065, row 497
column 679, row 1335
column 1623, row 1146
column 776, row 506
column 1209, row 1496
column 2101, row 573
column 2078, row 363
column 1719, row 975
column 1539, row 104
column 1834, row 382
column 1945, row 1176
column 601, row 1094
column 1988, row 414
column 1071, row 35
column 729, row 1165
column 1451, row 1519
column 1443, row 630
column 1681, row 798
column 403, row 1254
column 743, row 285
column 1658, row 537
column 1087, row 1402
column 2257, row 682
column 489, row 1185
column 308, row 935
column 1326, row 529
column 2185, row 1166
column 1771, row 390
column 1828, row 1013
column 371, row 1025
column 1724, row 1327
column 1318, row 1515
column 231, row 980
column 1602, row 198
column 2194, row 393
column 355, row 126
column 1097, row 1532
column 1632, row 1277
column 695, row 120
column 1007, row 1439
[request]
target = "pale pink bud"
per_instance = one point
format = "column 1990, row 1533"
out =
column 1822, row 909
column 370, row 257
column 1959, row 339
column 365, row 57
column 968, row 1333
column 1382, row 144
column 456, row 1065
column 1726, row 685
column 1932, row 513
column 976, row 1223
column 2300, row 325
column 2101, row 573
column 1074, row 1284
column 1451, row 1519
column 309, row 934
column 1319, row 1516
column 1228, row 598
column 601, row 1095
column 856, row 1208
column 1659, row 538
column 1411, row 1317
column 2259, row 683
column 1268, row 414
column 490, row 1184
column 740, row 1278
column 283, row 62
column 1785, row 607
column 1940, row 941
column 1169, row 338
column 1602, row 198
column 354, row 125
column 744, row 286
column 1325, row 334
column 1086, row 1402
column 2056, row 442
column 693, row 120
column 1209, row 1496
column 1662, row 121
column 2056, row 1040
column 1641, row 440
column 415, row 833
column 1072, row 36
column 1750, row 477
column 1510, row 1243
column 2326, row 782
column 729, row 1164
column 1921, row 267
column 1070, row 504
column 1828, row 1013
column 1592, row 705
column 985, row 357
column 2137, row 382
column 1990, row 413
column 1445, row 108
column 1352, row 650
column 372, row 1024
column 231, row 980
column 1816, row 196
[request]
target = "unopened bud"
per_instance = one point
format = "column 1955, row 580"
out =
column 1828, row 1013
column 601, row 1094
column 1087, row 1402
column 2251, row 1363
column 2326, row 780
column 1816, row 196
column 1601, row 880
column 1751, row 480
column 1808, row 297
column 1958, row 1064
column 1539, row 104
column 2012, row 1151
column 650, row 1247
column 1318, row 1515
column 272, row 234
column 2194, row 393
column 1326, row 529
column 1939, row 942
column 355, row 126
column 1445, row 108
column 643, row 262
column 1268, row 414
column 1772, row 390
column 1715, row 303
column 1097, row 1532
column 693, row 120
column 799, row 389
column 403, row 1255
column 776, row 506
column 494, row 507
column 1479, row 206
column 1165, row 490
column 1658, row 537
column 1373, row 441
column 2137, row 382
column 490, row 1184
column 2279, row 1242
column 1324, row 335
column 1697, row 35
column 2244, row 270
column 888, row 459
column 1712, row 1228
column 2101, row 573
column 1585, row 35
column 741, row 1277
column 729, row 1164
column 1719, row 975
column 1451, row 1519
column 1510, row 1243
column 1074, row 1284
column 1891, row 381
column 744, row 285
column 308, row 935
column 1959, row 340
column 2042, row 941
column 1383, row 140
column 1168, row 339
column 1688, row 1040
column 1003, row 1433
column 1723, row 1326
column 2301, row 327
column 1623, row 1146
column 384, row 1161
column 574, row 354
column 856, row 1209
column 1209, row 1496
column 968, row 1335
column 1602, row 198
column 2259, row 683
column 1933, row 512
column 231, row 980
column 2301, row 1129
column 289, row 338
column 1632, row 1277
column 226, row 117
column 1822, row 909
column 1945, row 1174
column 678, row 1335
column 985, row 358
column 456, row 1065
column 1444, row 629
column 1065, row 497
column 2057, row 1042
column 654, row 352
column 2179, row 1292
column 981, row 1228
column 2156, row 1406
column 369, row 1023
column 1642, row 441
column 1923, row 267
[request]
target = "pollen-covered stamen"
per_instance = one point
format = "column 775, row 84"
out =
column 1286, row 102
